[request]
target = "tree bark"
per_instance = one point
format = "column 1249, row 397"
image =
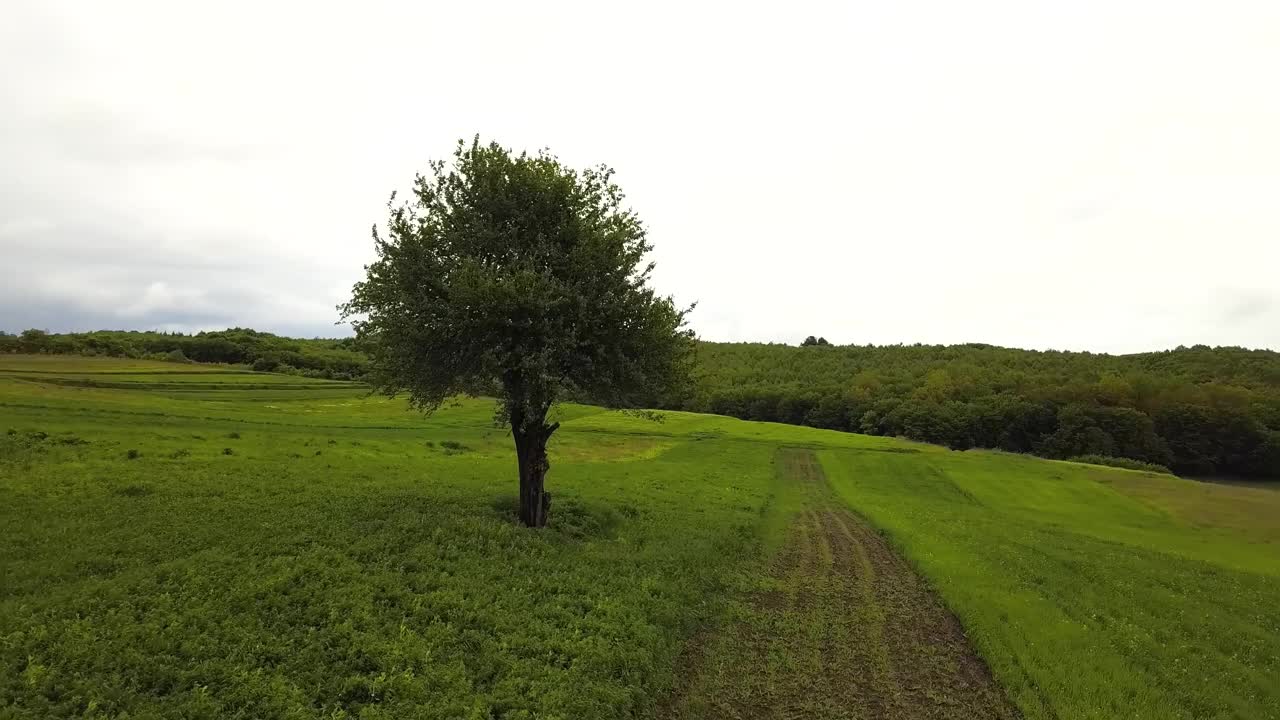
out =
column 531, row 454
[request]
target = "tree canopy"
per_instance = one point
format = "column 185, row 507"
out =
column 512, row 275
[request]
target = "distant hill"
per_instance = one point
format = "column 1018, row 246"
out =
column 1201, row 411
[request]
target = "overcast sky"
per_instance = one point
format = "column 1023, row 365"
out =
column 1073, row 175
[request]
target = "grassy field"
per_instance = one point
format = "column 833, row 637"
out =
column 1093, row 593
column 194, row 541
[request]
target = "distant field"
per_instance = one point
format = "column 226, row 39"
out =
column 192, row 541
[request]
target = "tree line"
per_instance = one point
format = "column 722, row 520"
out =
column 321, row 358
column 1201, row 411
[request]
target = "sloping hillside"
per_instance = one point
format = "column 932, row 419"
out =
column 256, row 544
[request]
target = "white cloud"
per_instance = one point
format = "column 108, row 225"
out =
column 1090, row 175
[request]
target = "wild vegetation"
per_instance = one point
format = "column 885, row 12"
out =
column 269, row 546
column 1200, row 411
column 1197, row 410
column 318, row 358
column 203, row 541
column 1126, row 463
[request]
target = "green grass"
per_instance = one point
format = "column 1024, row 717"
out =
column 81, row 365
column 282, row 547
column 1088, row 600
column 320, row 555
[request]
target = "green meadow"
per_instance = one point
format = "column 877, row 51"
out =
column 202, row 541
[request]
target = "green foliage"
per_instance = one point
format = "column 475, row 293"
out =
column 1120, row 462
column 1105, row 431
column 450, row 447
column 1201, row 411
column 330, row 359
column 1214, row 410
column 512, row 275
column 516, row 277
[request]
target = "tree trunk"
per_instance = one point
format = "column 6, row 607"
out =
column 531, row 453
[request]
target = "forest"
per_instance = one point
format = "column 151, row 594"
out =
column 1199, row 411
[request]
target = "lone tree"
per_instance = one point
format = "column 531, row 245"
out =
column 515, row 276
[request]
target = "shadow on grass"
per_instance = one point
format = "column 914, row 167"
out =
column 571, row 517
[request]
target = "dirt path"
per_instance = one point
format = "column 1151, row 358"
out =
column 845, row 629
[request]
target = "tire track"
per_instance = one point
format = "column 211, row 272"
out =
column 843, row 628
